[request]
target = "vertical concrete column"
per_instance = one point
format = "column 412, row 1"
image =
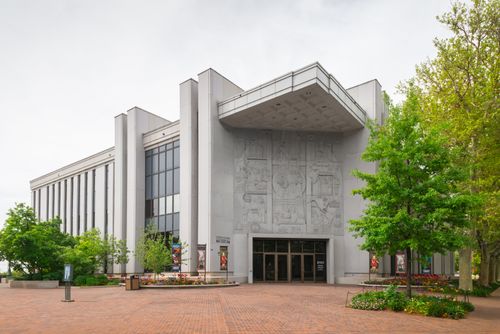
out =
column 215, row 165
column 120, row 182
column 331, row 261
column 250, row 258
column 138, row 122
column 189, row 171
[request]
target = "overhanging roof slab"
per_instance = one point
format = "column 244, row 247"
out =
column 309, row 99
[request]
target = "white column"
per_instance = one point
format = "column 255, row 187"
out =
column 189, row 171
column 138, row 122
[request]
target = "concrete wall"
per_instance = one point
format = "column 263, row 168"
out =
column 215, row 172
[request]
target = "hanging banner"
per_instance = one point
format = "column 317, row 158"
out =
column 425, row 265
column 400, row 263
column 202, row 255
column 374, row 263
column 176, row 257
column 223, row 255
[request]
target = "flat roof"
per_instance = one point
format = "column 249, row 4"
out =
column 306, row 99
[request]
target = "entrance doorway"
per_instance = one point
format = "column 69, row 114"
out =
column 281, row 260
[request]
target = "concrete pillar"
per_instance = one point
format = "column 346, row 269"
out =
column 215, row 175
column 189, row 172
column 138, row 122
column 120, row 183
column 330, row 274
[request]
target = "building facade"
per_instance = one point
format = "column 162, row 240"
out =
column 262, row 178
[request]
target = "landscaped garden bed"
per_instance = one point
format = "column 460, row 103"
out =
column 391, row 299
column 182, row 281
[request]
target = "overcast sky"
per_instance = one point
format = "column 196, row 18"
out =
column 68, row 67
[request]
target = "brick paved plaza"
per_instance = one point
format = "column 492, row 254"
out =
column 259, row 308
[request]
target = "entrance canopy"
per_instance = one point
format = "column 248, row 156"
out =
column 309, row 99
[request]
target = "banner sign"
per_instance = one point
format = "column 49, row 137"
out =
column 68, row 273
column 202, row 255
column 223, row 255
column 222, row 240
column 425, row 267
column 176, row 257
column 400, row 263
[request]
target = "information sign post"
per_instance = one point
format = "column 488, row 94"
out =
column 68, row 277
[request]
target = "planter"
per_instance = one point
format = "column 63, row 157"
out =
column 34, row 284
column 193, row 286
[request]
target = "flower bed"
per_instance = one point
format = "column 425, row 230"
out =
column 178, row 279
column 428, row 280
column 441, row 307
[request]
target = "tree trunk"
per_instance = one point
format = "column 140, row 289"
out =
column 485, row 266
column 408, row 272
column 465, row 268
column 498, row 269
column 492, row 270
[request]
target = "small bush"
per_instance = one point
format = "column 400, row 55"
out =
column 438, row 307
column 372, row 300
column 91, row 280
column 395, row 300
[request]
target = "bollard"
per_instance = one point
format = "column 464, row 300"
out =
column 68, row 276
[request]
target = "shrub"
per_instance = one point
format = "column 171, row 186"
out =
column 395, row 300
column 372, row 300
column 91, row 280
column 438, row 307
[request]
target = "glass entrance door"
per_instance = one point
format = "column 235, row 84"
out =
column 270, row 267
column 289, row 260
column 296, row 267
column 308, row 267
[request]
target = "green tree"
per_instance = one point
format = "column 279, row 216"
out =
column 152, row 251
column 92, row 253
column 460, row 88
column 35, row 248
column 415, row 203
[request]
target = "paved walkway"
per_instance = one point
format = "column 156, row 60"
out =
column 258, row 308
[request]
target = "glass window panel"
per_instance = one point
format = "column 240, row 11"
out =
column 162, row 205
column 177, row 180
column 176, row 157
column 258, row 267
column 155, row 150
column 258, row 246
column 149, row 187
column 176, row 143
column 155, row 186
column 177, row 203
column 308, row 246
column 155, row 207
column 169, row 223
column 269, row 246
column 149, row 152
column 170, row 159
column 149, row 221
column 155, row 163
column 282, row 246
column 149, row 165
column 320, row 247
column 161, row 224
column 162, row 161
column 161, row 148
column 170, row 207
column 296, row 246
column 161, row 191
column 170, row 146
column 170, row 182
column 149, row 208
column 176, row 221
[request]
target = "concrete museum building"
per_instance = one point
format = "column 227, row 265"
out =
column 263, row 175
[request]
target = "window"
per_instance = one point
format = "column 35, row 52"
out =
column 162, row 167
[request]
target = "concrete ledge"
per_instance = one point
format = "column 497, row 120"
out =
column 34, row 284
column 201, row 286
